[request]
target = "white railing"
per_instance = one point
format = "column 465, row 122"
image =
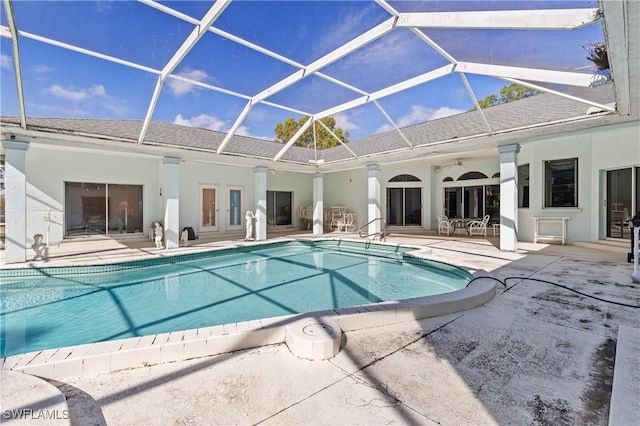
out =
column 382, row 235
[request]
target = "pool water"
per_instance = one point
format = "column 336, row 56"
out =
column 55, row 310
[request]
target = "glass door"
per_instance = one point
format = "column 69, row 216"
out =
column 102, row 208
column 492, row 202
column 619, row 203
column 404, row 206
column 209, row 208
column 394, row 207
column 412, row 206
column 453, row 202
column 473, row 202
column 279, row 208
column 125, row 208
column 235, row 215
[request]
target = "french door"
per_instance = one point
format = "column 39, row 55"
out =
column 235, row 215
column 209, row 208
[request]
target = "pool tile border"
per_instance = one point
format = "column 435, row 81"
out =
column 136, row 352
column 374, row 249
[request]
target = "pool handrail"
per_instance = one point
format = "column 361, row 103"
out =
column 382, row 235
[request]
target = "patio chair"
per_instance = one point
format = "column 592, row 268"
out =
column 348, row 223
column 479, row 227
column 337, row 217
column 444, row 225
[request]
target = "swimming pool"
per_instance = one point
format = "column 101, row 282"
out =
column 56, row 307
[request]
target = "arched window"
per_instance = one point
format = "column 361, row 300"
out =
column 496, row 175
column 404, row 178
column 472, row 175
column 448, row 179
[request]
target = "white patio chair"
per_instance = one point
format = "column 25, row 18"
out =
column 337, row 217
column 347, row 224
column 479, row 227
column 444, row 225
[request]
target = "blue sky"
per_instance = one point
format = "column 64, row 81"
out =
column 62, row 83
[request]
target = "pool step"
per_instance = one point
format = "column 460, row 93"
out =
column 365, row 247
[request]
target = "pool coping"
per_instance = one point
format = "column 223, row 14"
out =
column 110, row 356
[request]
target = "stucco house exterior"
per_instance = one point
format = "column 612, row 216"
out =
column 546, row 156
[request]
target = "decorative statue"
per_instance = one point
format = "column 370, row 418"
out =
column 159, row 235
column 184, row 237
column 249, row 218
column 40, row 248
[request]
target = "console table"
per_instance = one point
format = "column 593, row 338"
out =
column 548, row 236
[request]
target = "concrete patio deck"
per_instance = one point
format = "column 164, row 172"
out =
column 536, row 354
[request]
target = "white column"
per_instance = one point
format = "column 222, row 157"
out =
column 373, row 199
column 260, row 191
column 509, row 197
column 318, row 203
column 172, row 202
column 15, row 191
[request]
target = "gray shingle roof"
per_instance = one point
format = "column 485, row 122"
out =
column 536, row 110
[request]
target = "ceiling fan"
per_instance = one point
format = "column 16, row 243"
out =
column 456, row 162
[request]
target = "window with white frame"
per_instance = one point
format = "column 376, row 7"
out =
column 561, row 183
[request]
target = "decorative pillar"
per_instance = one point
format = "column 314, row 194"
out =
column 260, row 191
column 172, row 202
column 15, row 187
column 318, row 203
column 509, row 197
column 375, row 226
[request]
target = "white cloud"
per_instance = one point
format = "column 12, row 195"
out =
column 445, row 112
column 420, row 114
column 6, row 62
column 211, row 122
column 243, row 131
column 345, row 28
column 387, row 49
column 203, row 121
column 384, row 128
column 40, row 69
column 344, row 122
column 179, row 87
column 97, row 90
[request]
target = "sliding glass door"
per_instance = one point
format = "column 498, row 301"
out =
column 471, row 202
column 619, row 202
column 404, row 206
column 279, row 208
column 101, row 208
